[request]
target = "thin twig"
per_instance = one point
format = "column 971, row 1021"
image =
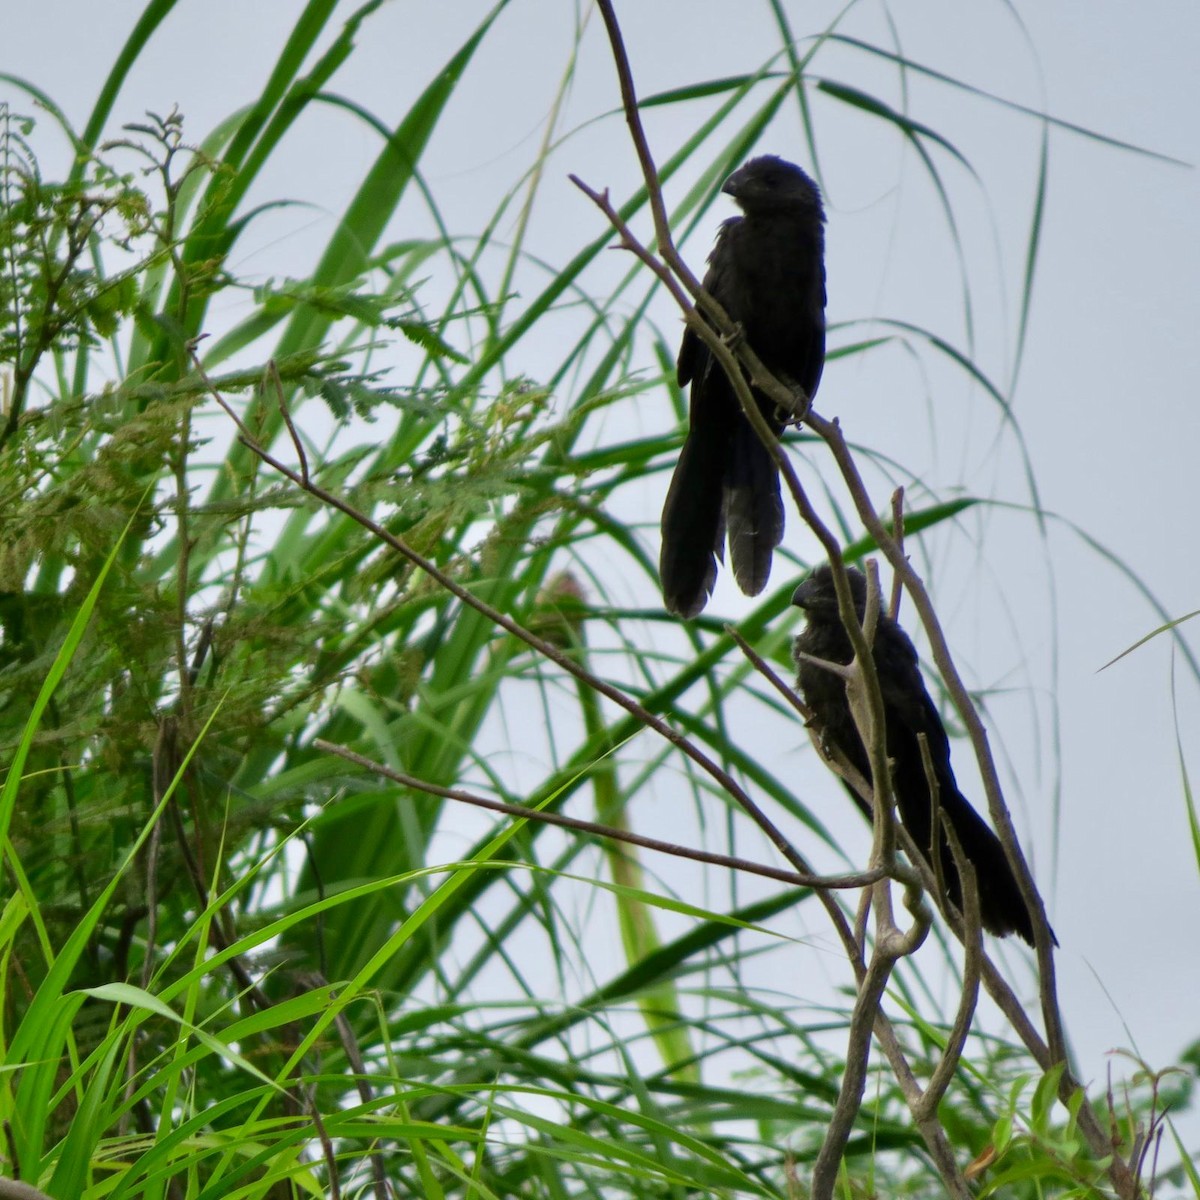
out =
column 312, row 981
column 866, row 707
column 14, row 1189
column 327, row 1150
column 898, row 534
column 943, row 1073
column 769, row 673
column 867, row 1005
column 593, row 829
column 891, row 943
column 297, row 444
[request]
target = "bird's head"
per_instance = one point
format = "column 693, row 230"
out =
column 817, row 596
column 771, row 184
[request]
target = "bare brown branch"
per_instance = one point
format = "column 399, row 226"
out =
column 593, row 829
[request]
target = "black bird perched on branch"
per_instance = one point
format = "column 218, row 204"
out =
column 908, row 711
column 767, row 270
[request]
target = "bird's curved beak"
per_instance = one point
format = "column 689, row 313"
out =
column 802, row 595
column 734, row 184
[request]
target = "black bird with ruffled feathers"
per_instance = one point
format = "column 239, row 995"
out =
column 767, row 270
column 908, row 712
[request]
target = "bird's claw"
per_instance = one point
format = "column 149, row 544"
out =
column 800, row 406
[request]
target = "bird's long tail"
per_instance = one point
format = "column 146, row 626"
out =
column 1001, row 904
column 753, row 508
column 693, row 522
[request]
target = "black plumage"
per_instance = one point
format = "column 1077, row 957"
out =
column 908, row 711
column 767, row 270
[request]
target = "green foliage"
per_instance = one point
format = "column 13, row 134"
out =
column 53, row 297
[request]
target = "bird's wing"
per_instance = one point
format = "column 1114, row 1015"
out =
column 694, row 358
column 907, row 704
column 692, row 352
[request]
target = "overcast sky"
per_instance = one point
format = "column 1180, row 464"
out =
column 1106, row 398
